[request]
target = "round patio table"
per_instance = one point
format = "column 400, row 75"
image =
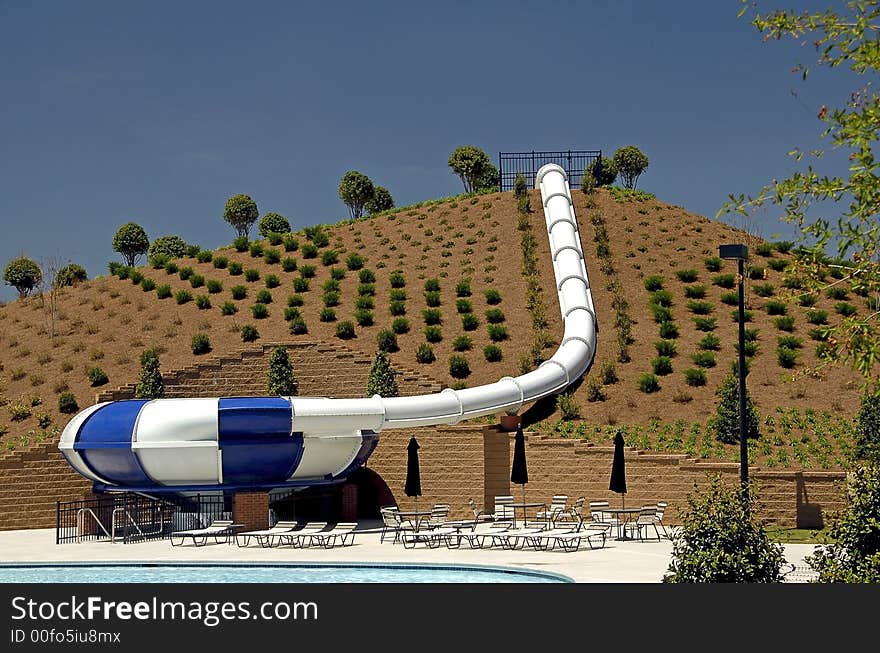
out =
column 525, row 506
column 624, row 516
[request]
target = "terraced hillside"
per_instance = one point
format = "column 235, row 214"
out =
column 447, row 272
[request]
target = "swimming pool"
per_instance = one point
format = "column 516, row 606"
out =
column 279, row 573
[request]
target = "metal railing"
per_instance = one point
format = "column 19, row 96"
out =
column 528, row 163
column 127, row 517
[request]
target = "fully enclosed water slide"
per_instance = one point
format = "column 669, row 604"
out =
column 201, row 444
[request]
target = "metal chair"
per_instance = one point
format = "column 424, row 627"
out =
column 647, row 519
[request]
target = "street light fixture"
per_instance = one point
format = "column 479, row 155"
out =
column 740, row 253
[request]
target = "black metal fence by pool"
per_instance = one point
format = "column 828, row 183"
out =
column 574, row 162
column 128, row 517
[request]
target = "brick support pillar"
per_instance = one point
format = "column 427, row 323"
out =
column 251, row 509
column 349, row 502
column 496, row 466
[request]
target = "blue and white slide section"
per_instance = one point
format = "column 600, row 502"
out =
column 277, row 441
column 193, row 444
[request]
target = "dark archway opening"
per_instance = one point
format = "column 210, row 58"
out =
column 359, row 497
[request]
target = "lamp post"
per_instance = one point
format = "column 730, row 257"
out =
column 740, row 253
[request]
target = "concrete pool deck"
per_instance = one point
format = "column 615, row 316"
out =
column 618, row 562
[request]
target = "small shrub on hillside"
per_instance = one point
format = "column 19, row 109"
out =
column 724, row 280
column 817, row 317
column 367, row 289
column 695, row 292
column 432, row 285
column 163, row 291
column 363, row 317
column 687, row 276
column 291, row 313
column 204, row 256
column 750, row 348
column 764, row 289
column 331, row 298
column 182, row 296
column 397, row 295
column 704, row 359
column 463, row 289
column 354, row 261
column 747, row 316
column 235, row 268
column 695, row 376
column 662, row 365
column 263, row 297
column 197, row 281
column 300, row 285
column 730, row 298
column 327, row 315
column 96, row 376
column 67, row 403
column 433, row 334
column 249, row 333
column 400, row 325
column 458, row 367
column 431, row 316
column 364, row 302
column 251, row 275
column 220, row 262
column 777, row 264
column 260, row 311
column 462, row 343
column 776, row 307
column 203, row 302
column 648, row 383
column 386, row 341
column 713, row 263
column 255, row 249
column 791, row 342
column 291, row 244
column 309, row 250
column 786, row 357
column 298, row 326
column 432, row 298
column 661, row 313
column 337, row 274
column 241, row 244
column 238, row 292
column 295, row 300
column 497, row 332
column 329, row 257
column 836, row 292
column 425, row 353
column 705, row 323
column 214, row 286
column 784, row 323
column 492, row 353
column 228, row 308
column 725, row 423
column 711, row 342
column 756, row 272
column 272, row 256
column 397, row 308
column 653, row 283
column 469, row 322
column 700, row 308
column 185, row 273
column 463, row 306
column 665, row 348
column 668, row 330
column 366, row 276
column 492, row 296
column 845, row 309
column 171, row 267
column 135, row 276
column 345, row 330
column 307, row 271
column 660, row 298
column 397, row 280
column 608, row 373
column 494, row 316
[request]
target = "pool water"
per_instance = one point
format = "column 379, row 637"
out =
column 141, row 573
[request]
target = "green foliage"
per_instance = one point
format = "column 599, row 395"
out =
column 747, row 316
column 695, row 292
column 260, row 311
column 668, row 330
column 70, row 275
column 183, row 296
column 397, row 295
column 776, row 307
column 493, row 297
column 750, row 348
column 433, row 334
column 273, row 223
column 784, row 323
column 249, row 333
column 330, row 298
column 238, row 292
column 432, row 285
column 135, row 276
column 386, row 341
column 462, row 343
column 700, row 308
column 687, row 276
column 730, row 298
column 364, row 301
column 327, row 315
column 228, row 308
column 845, row 309
column 494, row 316
column 704, row 359
column 307, row 271
column 345, row 330
column 148, row 285
column 235, row 268
column 241, row 212
column 170, row 247
column 720, row 542
column 653, row 283
column 608, row 373
column 400, row 325
column 23, row 274
column 329, row 257
column 290, row 242
column 241, row 243
column 764, row 249
column 853, row 554
column 203, row 302
column 280, row 381
column 131, row 241
column 251, row 275
column 309, row 250
column 150, row 385
column 792, row 342
column 205, row 256
column 497, row 332
column 662, row 365
column 469, row 322
column 380, row 201
column 432, row 298
column 425, row 353
column 661, row 298
column 214, row 286
column 725, row 424
column 200, row 344
column 271, row 256
column 755, row 272
column 567, row 407
column 764, row 289
column 630, row 162
column 648, row 383
column 588, row 181
column 724, row 280
column 713, row 263
column 67, row 403
column 163, row 291
column 665, row 348
column 397, row 307
column 354, row 261
column 298, row 326
column 473, row 167
column 301, row 285
column 431, row 316
column 868, row 428
column 272, row 281
column 711, row 342
column 786, row 357
column 363, row 317
column 463, row 288
column 459, row 367
column 661, row 313
column 96, row 376
column 604, row 171
column 366, row 276
column 492, row 353
column 695, row 376
column 397, row 280
column 196, row 281
column 255, row 249
column 356, row 190
column 263, row 297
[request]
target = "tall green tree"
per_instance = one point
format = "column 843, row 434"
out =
column 833, row 209
column 241, row 212
column 131, row 241
column 281, row 380
column 382, row 380
column 630, row 162
column 473, row 167
column 150, row 385
column 356, row 190
column 381, row 200
column 23, row 274
column 726, row 419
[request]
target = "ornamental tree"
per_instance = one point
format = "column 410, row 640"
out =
column 720, row 541
column 23, row 274
column 868, row 428
column 381, row 380
column 273, row 223
column 726, row 420
column 831, row 208
column 168, row 246
column 381, row 200
column 241, row 212
column 604, row 171
column 356, row 189
column 281, row 381
column 473, row 167
column 131, row 241
column 630, row 162
column 150, row 385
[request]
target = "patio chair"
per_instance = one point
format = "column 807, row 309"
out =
column 661, row 509
column 302, row 537
column 342, row 532
column 217, row 529
column 504, row 508
column 597, row 515
column 478, row 512
column 574, row 513
column 389, row 522
column 558, row 508
column 438, row 517
column 264, row 537
column 481, row 533
column 514, row 538
column 647, row 519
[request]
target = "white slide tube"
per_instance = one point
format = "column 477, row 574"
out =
column 571, row 360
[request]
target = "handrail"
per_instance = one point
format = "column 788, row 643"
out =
column 80, row 524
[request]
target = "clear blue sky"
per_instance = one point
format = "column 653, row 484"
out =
column 158, row 111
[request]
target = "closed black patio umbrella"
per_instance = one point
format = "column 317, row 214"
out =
column 519, row 474
column 618, row 469
column 413, row 486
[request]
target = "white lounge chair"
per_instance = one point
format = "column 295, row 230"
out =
column 217, row 529
column 558, row 508
column 264, row 537
column 301, row 537
column 342, row 532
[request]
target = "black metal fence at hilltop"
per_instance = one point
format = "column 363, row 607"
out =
column 574, row 162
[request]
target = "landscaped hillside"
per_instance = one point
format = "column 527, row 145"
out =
column 445, row 281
